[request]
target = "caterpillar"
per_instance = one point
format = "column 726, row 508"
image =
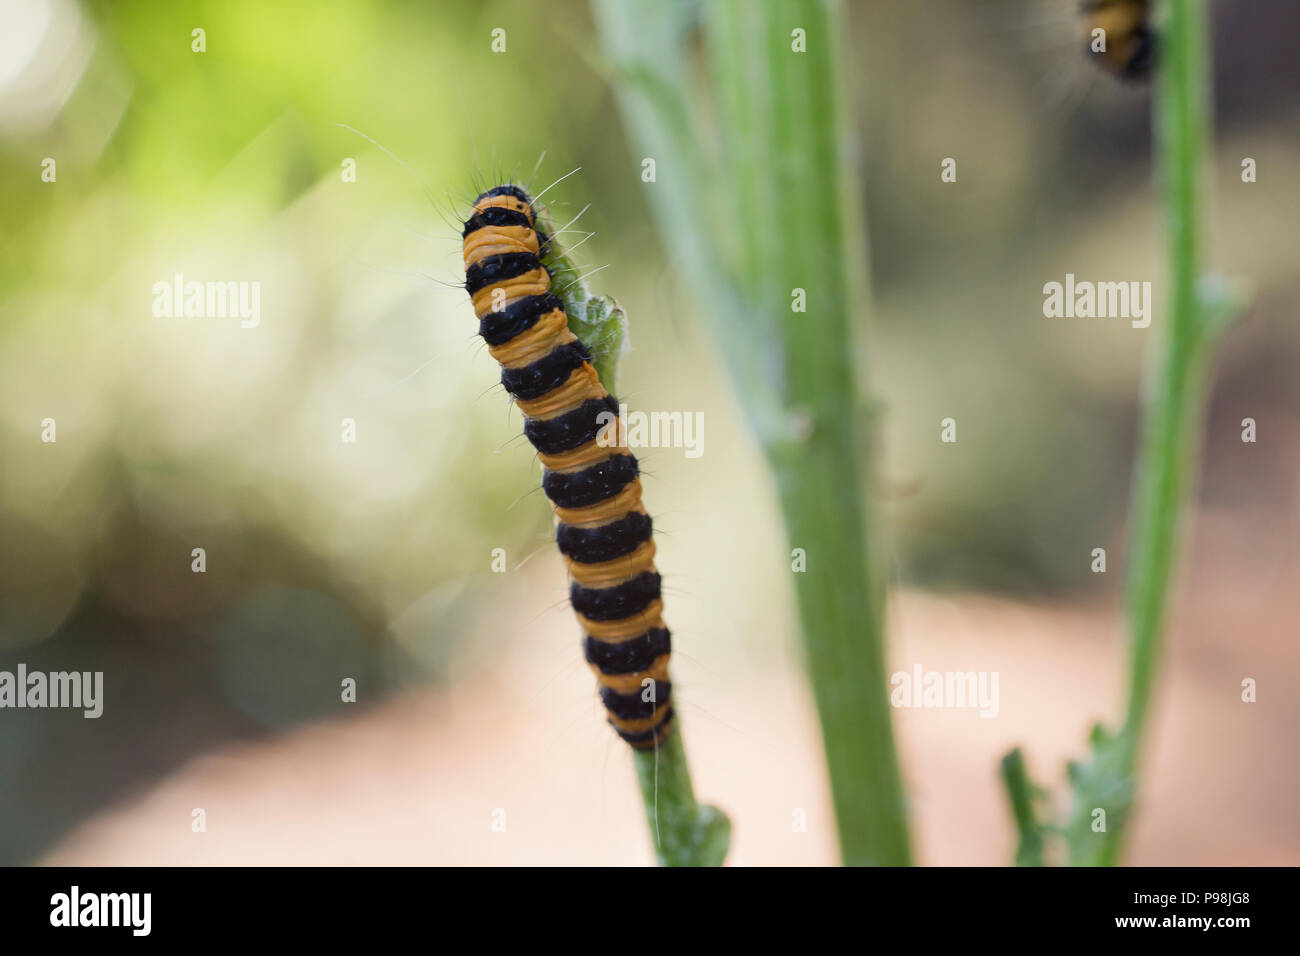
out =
column 1130, row 42
column 593, row 483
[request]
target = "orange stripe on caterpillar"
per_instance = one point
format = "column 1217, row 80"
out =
column 638, row 724
column 513, row 203
column 498, row 295
column 551, row 330
column 632, row 683
column 499, row 241
column 610, row 441
column 611, row 509
column 607, row 574
column 625, row 628
column 583, row 384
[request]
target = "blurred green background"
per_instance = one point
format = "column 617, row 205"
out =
column 373, row 559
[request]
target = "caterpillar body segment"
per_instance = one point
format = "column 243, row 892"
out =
column 1130, row 40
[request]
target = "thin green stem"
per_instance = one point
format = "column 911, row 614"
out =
column 684, row 832
column 1173, row 402
column 1174, row 385
column 1167, row 459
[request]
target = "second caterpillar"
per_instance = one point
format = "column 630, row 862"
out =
column 591, row 479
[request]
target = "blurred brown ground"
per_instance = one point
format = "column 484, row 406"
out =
column 416, row 781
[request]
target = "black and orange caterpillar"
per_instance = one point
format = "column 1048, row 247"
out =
column 602, row 529
column 1130, row 41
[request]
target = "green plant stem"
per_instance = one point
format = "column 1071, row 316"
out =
column 769, row 214
column 1173, row 401
column 781, row 120
column 844, row 646
column 684, row 832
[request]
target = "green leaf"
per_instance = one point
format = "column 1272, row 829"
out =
column 599, row 321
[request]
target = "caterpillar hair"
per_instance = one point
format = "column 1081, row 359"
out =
column 602, row 529
column 1130, row 42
